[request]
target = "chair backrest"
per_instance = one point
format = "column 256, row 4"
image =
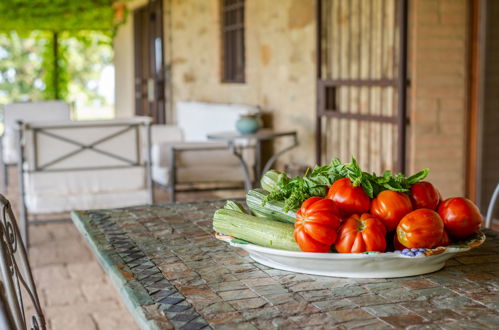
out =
column 16, row 276
column 28, row 111
column 86, row 164
column 84, row 144
column 198, row 119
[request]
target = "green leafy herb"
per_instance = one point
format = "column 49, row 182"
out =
column 293, row 191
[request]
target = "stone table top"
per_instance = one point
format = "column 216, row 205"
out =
column 172, row 273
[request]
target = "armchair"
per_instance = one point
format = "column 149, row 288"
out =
column 83, row 165
column 26, row 111
column 182, row 154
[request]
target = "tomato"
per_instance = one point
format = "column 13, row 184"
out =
column 316, row 223
column 445, row 239
column 396, row 243
column 348, row 198
column 361, row 234
column 424, row 195
column 390, row 206
column 461, row 217
column 422, row 228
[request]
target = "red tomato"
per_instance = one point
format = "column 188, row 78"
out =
column 316, row 223
column 461, row 217
column 422, row 228
column 445, row 239
column 391, row 206
column 424, row 195
column 348, row 198
column 396, row 243
column 361, row 234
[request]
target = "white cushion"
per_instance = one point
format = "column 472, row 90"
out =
column 28, row 111
column 84, row 181
column 35, row 111
column 41, row 204
column 198, row 174
column 166, row 133
column 195, row 157
column 198, row 119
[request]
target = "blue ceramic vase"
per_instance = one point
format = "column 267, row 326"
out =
column 248, row 124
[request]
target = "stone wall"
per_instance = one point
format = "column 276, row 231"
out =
column 438, row 110
column 280, row 62
column 280, row 74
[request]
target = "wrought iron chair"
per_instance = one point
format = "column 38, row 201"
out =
column 16, row 277
column 490, row 209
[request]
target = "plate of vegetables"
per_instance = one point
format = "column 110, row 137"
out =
column 338, row 220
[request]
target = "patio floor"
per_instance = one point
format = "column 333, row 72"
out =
column 74, row 291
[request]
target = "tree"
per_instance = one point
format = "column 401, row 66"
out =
column 31, row 70
column 21, row 70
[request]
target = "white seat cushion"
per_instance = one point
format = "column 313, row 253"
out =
column 41, row 204
column 195, row 157
column 28, row 111
column 198, row 174
column 84, row 181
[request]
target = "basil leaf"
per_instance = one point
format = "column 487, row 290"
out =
column 418, row 176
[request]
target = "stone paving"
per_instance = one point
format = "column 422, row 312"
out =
column 75, row 293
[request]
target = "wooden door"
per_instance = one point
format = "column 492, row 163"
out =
column 149, row 62
column 361, row 82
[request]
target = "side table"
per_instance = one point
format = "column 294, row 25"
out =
column 261, row 135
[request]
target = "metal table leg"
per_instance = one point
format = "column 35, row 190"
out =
column 274, row 157
column 247, row 179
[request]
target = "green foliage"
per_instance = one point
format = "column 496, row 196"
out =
column 89, row 53
column 21, row 69
column 56, row 78
column 56, row 15
column 27, row 66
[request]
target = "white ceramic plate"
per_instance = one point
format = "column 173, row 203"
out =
column 359, row 265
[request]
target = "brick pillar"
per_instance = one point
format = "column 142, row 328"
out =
column 438, row 109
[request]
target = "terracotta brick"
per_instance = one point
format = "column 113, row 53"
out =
column 441, row 30
column 433, row 44
column 449, row 115
column 440, row 92
column 443, row 80
column 436, row 67
column 455, row 7
column 442, row 55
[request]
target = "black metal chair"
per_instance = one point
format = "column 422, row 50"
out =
column 16, row 277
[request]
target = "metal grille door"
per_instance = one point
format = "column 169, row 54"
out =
column 362, row 81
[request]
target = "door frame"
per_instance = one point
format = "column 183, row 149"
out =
column 152, row 89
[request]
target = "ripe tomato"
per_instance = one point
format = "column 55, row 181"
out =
column 461, row 217
column 422, row 228
column 316, row 223
column 445, row 239
column 396, row 243
column 348, row 198
column 361, row 234
column 424, row 195
column 391, row 206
